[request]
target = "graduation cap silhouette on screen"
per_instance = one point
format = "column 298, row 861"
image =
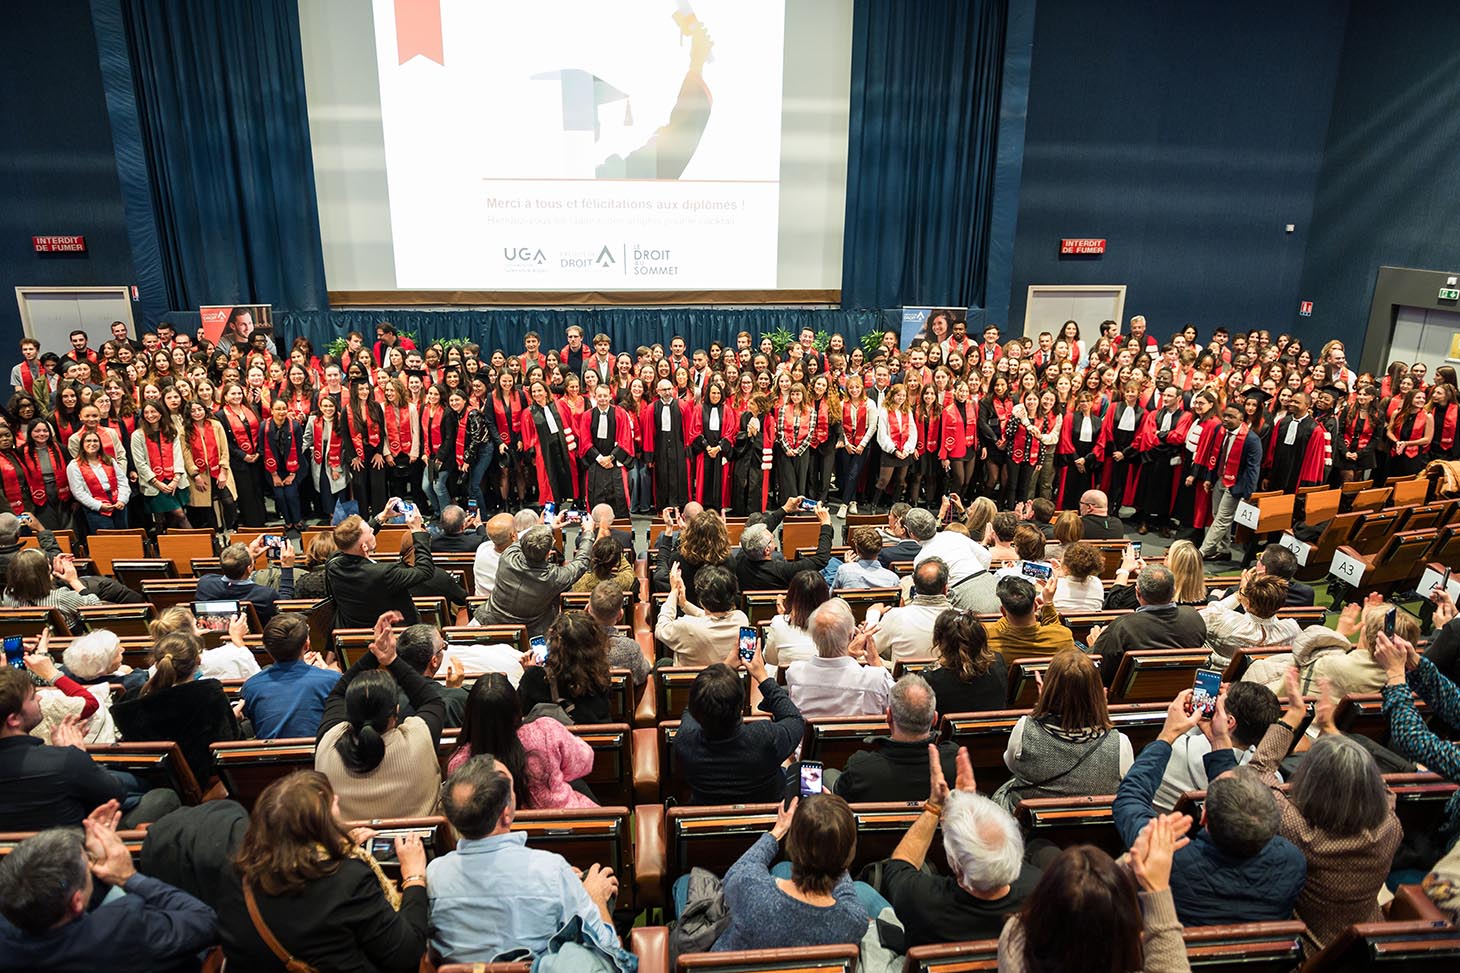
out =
column 583, row 93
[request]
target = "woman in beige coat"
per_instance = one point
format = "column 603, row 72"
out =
column 1323, row 653
column 206, row 454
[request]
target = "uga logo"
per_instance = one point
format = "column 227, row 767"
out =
column 524, row 255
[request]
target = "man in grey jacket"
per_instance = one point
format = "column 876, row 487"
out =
column 527, row 587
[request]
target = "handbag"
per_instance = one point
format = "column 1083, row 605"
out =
column 291, row 963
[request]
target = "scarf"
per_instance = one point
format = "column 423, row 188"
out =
column 106, row 494
column 461, row 438
column 336, row 448
column 161, row 459
column 37, row 478
column 245, row 428
column 271, row 462
column 12, row 475
column 1445, row 428
column 204, row 446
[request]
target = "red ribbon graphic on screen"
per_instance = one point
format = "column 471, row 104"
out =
column 418, row 30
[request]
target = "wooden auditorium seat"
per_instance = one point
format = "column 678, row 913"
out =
column 1155, row 675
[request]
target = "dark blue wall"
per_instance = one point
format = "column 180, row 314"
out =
column 57, row 170
column 1187, row 134
column 1389, row 192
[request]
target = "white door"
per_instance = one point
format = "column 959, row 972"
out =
column 1049, row 306
column 1425, row 335
column 50, row 314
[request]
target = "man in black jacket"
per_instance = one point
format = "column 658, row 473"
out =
column 459, row 534
column 361, row 588
column 897, row 770
column 759, row 570
column 1100, row 524
column 1156, row 624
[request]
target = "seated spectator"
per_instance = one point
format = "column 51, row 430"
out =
column 58, row 784
column 1067, row 529
column 866, row 571
column 607, row 562
column 1099, row 523
column 725, row 759
column 91, row 660
column 897, row 768
column 310, row 584
column 1109, row 916
column 286, row 700
column 979, row 520
column 704, row 542
column 1337, row 810
column 234, row 584
column 424, row 650
column 527, row 586
column 1040, row 513
column 457, row 533
column 604, row 512
column 898, row 544
column 1028, row 627
column 381, row 766
column 317, row 891
column 985, row 850
column 847, row 677
column 175, row 704
column 757, row 569
column 231, row 660
column 788, row 636
column 1067, row 745
column 492, row 893
column 815, row 903
column 702, row 635
column 906, row 632
column 1260, row 596
column 575, row 676
column 13, row 528
column 437, row 584
column 1279, row 562
column 1237, row 851
column 1079, row 588
column 1407, row 674
column 362, row 587
column 606, row 605
column 964, row 556
column 1030, row 547
column 1187, row 568
column 1159, row 624
column 543, row 758
column 502, row 534
column 893, row 531
column 667, row 543
column 46, row 891
column 1248, row 709
column 29, row 583
column 969, row 676
column 1003, row 527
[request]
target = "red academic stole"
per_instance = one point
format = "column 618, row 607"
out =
column 854, row 420
column 461, row 438
column 372, row 431
column 106, row 494
column 1359, row 436
column 1445, row 428
column 29, row 372
column 1234, row 457
column 161, row 459
column 431, row 416
column 795, row 431
column 819, row 433
column 291, row 464
column 337, row 445
column 38, row 481
column 204, row 446
column 1209, row 447
column 397, row 425
column 245, row 428
column 13, row 477
column 900, row 425
column 528, row 360
column 506, row 417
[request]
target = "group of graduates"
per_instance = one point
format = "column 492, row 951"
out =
column 185, row 431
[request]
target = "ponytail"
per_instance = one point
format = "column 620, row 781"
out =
column 370, row 705
column 176, row 657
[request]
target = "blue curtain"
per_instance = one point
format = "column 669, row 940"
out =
column 926, row 79
column 220, row 103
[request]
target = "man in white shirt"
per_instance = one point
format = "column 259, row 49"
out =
column 836, row 682
column 1250, row 709
column 501, row 534
column 702, row 636
column 963, row 555
column 906, row 632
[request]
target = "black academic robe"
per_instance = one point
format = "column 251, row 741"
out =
column 1289, row 470
column 606, row 434
column 671, row 455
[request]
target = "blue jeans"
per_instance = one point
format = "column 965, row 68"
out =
column 641, row 488
column 871, row 900
column 286, row 502
column 116, row 520
column 848, row 472
column 436, row 490
column 474, row 477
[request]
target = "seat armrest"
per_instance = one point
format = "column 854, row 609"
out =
column 1410, row 904
column 651, row 945
column 646, row 714
column 1367, row 559
column 649, row 846
column 644, row 751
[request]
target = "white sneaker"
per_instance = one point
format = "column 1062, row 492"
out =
column 851, row 508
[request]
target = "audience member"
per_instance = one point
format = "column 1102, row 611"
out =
column 896, row 768
column 231, row 660
column 575, row 676
column 704, row 542
column 310, row 583
column 286, row 700
column 1067, row 529
column 847, row 677
column 1067, row 745
column 1099, row 523
column 527, row 585
column 544, row 759
column 969, row 676
column 317, row 894
column 381, row 766
column 606, row 605
column 1255, row 873
column 1079, row 588
column 725, row 759
column 898, row 543
column 1029, row 548
column 1406, row 675
column 362, row 588
column 47, row 885
column 906, row 632
column 1157, row 624
column 492, row 894
column 459, row 532
column 702, row 635
column 1260, row 596
column 1279, row 562
column 964, row 556
column 1001, row 531
column 29, row 583
column 607, row 561
column 757, row 570
column 90, row 661
column 502, row 534
column 234, row 584
column 866, row 571
column 788, row 636
column 667, row 544
column 424, row 650
column 1029, row 627
column 1247, row 710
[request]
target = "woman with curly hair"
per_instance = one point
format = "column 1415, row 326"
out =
column 575, row 675
column 703, row 541
column 970, row 676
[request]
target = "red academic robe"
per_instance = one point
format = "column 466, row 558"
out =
column 527, row 429
column 1203, row 465
column 1148, row 438
column 1130, row 487
column 1067, row 449
column 694, row 428
column 623, row 436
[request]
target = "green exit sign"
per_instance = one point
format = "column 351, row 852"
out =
column 1450, row 293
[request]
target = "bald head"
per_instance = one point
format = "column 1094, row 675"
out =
column 691, row 510
column 525, row 519
column 1094, row 502
column 501, row 531
column 602, row 514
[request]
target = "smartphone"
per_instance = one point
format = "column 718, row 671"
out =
column 810, row 777
column 274, row 543
column 1204, row 692
column 471, row 507
column 808, row 505
column 747, row 643
column 549, row 509
column 1036, row 570
column 539, row 649
column 215, row 616
column 407, row 510
column 382, row 849
column 1390, row 617
column 15, row 652
column 572, row 516
column 874, row 615
column 1135, row 548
